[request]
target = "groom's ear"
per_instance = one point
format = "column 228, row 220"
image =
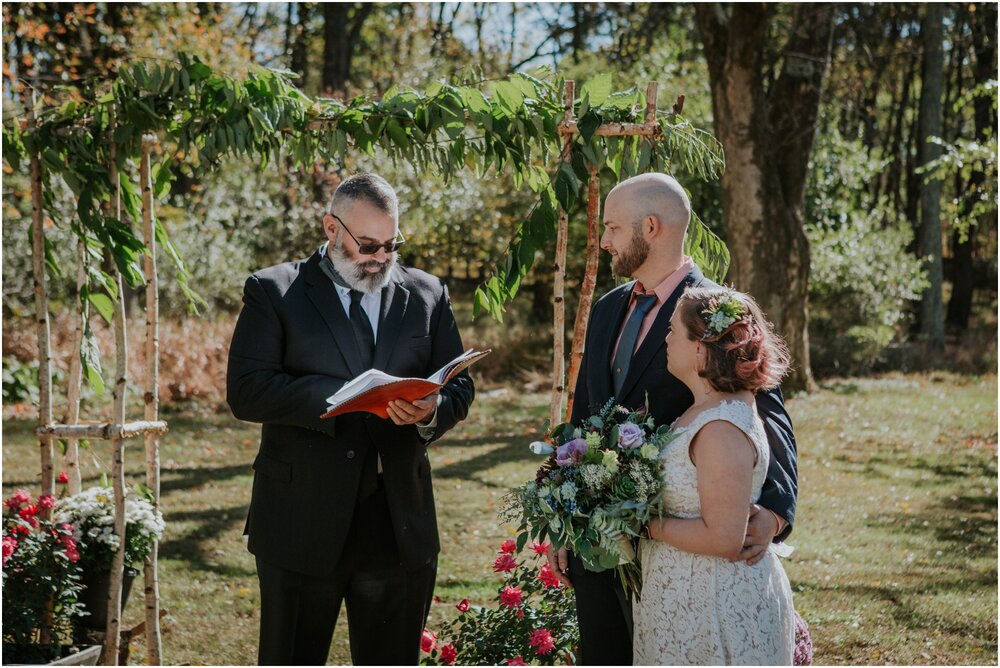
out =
column 651, row 226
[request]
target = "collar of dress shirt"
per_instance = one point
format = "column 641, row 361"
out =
column 667, row 285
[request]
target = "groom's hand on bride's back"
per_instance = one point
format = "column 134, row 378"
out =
column 762, row 527
column 559, row 563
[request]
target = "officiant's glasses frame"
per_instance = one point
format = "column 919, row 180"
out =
column 372, row 248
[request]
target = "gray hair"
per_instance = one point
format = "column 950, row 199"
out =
column 371, row 188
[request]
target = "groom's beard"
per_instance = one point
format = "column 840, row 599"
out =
column 632, row 256
column 356, row 276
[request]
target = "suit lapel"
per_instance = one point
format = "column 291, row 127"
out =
column 326, row 300
column 604, row 341
column 654, row 347
column 394, row 300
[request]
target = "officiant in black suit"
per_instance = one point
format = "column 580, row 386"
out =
column 625, row 357
column 342, row 509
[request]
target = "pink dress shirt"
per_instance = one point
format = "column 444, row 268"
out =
column 662, row 292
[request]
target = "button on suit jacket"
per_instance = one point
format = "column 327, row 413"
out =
column 668, row 396
column 293, row 347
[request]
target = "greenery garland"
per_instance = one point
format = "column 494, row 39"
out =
column 508, row 124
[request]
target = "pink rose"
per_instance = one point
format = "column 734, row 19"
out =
column 9, row 545
column 541, row 640
column 547, row 577
column 428, row 641
column 505, row 563
column 18, row 498
column 47, row 501
column 508, row 547
column 448, row 654
column 539, row 547
column 63, row 478
column 72, row 554
column 463, row 606
column 511, row 596
column 516, row 661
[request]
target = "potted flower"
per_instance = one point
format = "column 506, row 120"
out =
column 41, row 582
column 92, row 515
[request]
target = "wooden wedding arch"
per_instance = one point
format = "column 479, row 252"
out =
column 513, row 124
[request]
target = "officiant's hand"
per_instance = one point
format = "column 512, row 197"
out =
column 403, row 412
column 559, row 563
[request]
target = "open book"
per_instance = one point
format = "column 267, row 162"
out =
column 373, row 390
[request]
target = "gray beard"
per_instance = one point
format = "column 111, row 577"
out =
column 355, row 275
column 632, row 257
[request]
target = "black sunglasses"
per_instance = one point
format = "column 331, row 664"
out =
column 371, row 249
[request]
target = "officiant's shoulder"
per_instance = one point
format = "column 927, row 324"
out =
column 421, row 280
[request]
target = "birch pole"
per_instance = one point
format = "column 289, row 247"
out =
column 72, row 457
column 154, row 644
column 589, row 284
column 109, row 656
column 41, row 315
column 559, row 281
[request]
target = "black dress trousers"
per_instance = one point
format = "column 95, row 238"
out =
column 387, row 604
column 604, row 612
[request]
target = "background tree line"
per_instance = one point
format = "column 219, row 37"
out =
column 859, row 200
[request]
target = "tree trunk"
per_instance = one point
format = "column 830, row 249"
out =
column 768, row 140
column 298, row 31
column 932, row 84
column 341, row 34
column 984, row 29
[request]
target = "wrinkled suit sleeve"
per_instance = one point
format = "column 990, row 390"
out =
column 458, row 393
column 258, row 389
column 781, row 486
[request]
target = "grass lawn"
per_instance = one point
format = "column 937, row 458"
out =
column 896, row 533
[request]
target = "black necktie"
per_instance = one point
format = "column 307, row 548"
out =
column 363, row 333
column 630, row 334
column 365, row 337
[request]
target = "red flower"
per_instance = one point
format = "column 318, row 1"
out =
column 63, row 478
column 511, row 596
column 437, row 599
column 463, row 606
column 72, row 554
column 505, row 563
column 19, row 498
column 541, row 640
column 28, row 511
column 547, row 577
column 508, row 547
column 516, row 661
column 519, row 614
column 539, row 547
column 21, row 529
column 428, row 641
column 448, row 654
column 9, row 545
column 47, row 501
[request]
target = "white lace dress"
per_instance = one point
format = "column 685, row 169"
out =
column 701, row 610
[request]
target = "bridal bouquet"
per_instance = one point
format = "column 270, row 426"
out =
column 600, row 486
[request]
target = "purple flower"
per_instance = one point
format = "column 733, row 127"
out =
column 629, row 436
column 803, row 643
column 571, row 453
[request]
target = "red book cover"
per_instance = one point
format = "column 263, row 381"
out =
column 373, row 390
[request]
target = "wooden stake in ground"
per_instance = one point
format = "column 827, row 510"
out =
column 41, row 316
column 154, row 645
column 72, row 456
column 559, row 281
column 109, row 654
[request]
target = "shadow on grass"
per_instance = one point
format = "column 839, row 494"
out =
column 469, row 469
column 191, row 548
column 192, row 477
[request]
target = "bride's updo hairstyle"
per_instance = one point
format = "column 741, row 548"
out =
column 742, row 351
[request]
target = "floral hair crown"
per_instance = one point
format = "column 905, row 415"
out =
column 721, row 314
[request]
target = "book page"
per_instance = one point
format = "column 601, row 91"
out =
column 439, row 376
column 366, row 381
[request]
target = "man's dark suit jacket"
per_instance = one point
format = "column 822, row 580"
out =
column 668, row 396
column 292, row 348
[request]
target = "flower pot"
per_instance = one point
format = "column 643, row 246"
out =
column 95, row 597
column 38, row 655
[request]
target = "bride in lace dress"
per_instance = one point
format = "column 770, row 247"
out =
column 700, row 605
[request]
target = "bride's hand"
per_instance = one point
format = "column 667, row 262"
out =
column 559, row 563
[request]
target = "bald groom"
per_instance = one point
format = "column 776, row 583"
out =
column 645, row 220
